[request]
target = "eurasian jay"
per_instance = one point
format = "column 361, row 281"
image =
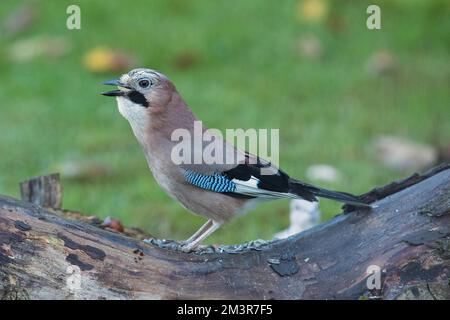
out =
column 218, row 191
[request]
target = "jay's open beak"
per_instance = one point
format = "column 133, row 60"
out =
column 116, row 93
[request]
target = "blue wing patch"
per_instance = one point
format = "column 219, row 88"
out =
column 215, row 182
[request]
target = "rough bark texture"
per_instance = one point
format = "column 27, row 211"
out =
column 45, row 191
column 45, row 255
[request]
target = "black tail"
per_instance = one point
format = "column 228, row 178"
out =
column 300, row 188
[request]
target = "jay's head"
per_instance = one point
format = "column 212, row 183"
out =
column 141, row 92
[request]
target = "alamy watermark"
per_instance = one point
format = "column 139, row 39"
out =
column 373, row 281
column 373, row 22
column 200, row 146
column 73, row 21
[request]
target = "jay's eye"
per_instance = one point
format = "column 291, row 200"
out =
column 144, row 83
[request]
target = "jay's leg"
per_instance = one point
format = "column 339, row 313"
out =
column 202, row 235
column 202, row 229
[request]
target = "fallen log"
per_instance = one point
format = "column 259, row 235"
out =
column 399, row 250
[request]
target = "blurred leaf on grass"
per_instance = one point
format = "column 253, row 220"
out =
column 186, row 60
column 381, row 62
column 405, row 155
column 102, row 59
column 38, row 46
column 324, row 173
column 84, row 170
column 20, row 19
column 310, row 46
column 312, row 11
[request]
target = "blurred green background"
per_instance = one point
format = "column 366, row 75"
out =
column 310, row 68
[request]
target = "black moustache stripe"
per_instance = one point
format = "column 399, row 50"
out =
column 137, row 98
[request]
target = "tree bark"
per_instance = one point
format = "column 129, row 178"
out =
column 46, row 255
column 45, row 191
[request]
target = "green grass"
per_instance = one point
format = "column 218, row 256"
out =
column 249, row 75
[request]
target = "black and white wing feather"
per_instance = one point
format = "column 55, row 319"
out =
column 260, row 179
